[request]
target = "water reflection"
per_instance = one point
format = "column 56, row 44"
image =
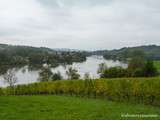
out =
column 29, row 74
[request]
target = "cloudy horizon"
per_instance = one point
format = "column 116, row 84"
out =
column 80, row 24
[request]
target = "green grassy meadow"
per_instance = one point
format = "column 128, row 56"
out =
column 69, row 108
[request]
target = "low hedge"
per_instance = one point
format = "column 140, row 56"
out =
column 139, row 90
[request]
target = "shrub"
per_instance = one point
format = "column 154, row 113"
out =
column 113, row 72
column 150, row 69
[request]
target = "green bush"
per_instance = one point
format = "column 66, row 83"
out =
column 139, row 90
column 113, row 72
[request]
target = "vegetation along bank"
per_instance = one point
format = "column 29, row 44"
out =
column 138, row 90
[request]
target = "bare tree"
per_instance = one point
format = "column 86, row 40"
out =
column 87, row 76
column 102, row 68
column 10, row 77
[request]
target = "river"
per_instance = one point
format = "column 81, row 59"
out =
column 25, row 76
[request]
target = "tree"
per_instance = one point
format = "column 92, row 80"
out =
column 72, row 74
column 45, row 74
column 136, row 64
column 57, row 76
column 10, row 77
column 137, row 60
column 149, row 69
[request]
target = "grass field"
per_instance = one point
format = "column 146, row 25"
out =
column 68, row 108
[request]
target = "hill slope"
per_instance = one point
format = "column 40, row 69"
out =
column 11, row 55
column 151, row 52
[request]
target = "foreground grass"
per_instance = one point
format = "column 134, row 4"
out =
column 68, row 108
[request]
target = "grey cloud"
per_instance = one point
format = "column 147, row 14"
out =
column 70, row 3
column 80, row 24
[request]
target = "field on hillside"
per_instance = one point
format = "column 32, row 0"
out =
column 68, row 108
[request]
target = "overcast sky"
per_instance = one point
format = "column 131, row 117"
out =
column 80, row 24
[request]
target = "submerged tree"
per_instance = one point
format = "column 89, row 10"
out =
column 45, row 74
column 72, row 74
column 10, row 77
column 102, row 68
column 57, row 76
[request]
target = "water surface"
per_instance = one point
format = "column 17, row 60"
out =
column 25, row 76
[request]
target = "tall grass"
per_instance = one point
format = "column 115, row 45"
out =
column 139, row 90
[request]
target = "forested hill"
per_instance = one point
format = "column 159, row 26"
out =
column 151, row 52
column 17, row 55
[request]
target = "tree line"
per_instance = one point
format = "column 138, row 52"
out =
column 151, row 52
column 138, row 66
column 15, row 56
